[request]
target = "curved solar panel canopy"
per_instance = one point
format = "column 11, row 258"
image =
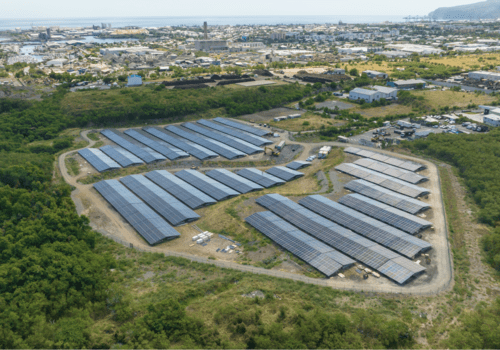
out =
column 143, row 152
column 241, row 145
column 253, row 139
column 385, row 213
column 259, row 177
column 121, row 156
column 165, row 204
column 195, row 150
column 404, row 164
column 240, row 126
column 389, row 170
column 399, row 201
column 207, row 185
column 236, row 182
column 284, row 173
column 100, row 161
column 153, row 228
column 168, row 151
column 298, row 164
column 180, row 189
column 317, row 254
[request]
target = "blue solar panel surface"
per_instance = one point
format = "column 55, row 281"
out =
column 207, row 185
column 121, row 156
column 250, row 129
column 298, row 164
column 404, row 164
column 253, row 139
column 99, row 160
column 236, row 182
column 180, row 189
column 168, row 151
column 165, row 204
column 145, row 153
column 153, row 228
column 389, row 170
column 284, row 173
column 259, row 177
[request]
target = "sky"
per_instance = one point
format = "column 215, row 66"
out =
column 38, row 9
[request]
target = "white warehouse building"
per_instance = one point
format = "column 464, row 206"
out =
column 478, row 75
column 364, row 94
column 387, row 92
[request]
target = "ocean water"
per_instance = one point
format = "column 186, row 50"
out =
column 143, row 22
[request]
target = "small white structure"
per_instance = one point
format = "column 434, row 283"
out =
column 492, row 120
column 58, row 62
column 375, row 75
column 134, row 80
column 364, row 94
column 387, row 92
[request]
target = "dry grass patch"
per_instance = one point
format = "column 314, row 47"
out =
column 378, row 112
column 437, row 99
column 308, row 121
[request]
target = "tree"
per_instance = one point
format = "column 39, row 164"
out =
column 354, row 72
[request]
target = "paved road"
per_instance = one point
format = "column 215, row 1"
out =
column 442, row 281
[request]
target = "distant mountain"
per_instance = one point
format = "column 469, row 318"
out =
column 485, row 9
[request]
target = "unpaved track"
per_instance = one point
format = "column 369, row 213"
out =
column 125, row 234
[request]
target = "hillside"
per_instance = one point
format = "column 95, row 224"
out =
column 484, row 9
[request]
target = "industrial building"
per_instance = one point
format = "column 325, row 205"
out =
column 478, row 75
column 387, row 92
column 134, row 80
column 364, row 94
column 407, row 84
column 375, row 75
column 211, row 45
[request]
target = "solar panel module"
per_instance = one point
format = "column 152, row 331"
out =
column 165, row 204
column 389, row 170
column 404, row 164
column 143, row 152
column 344, row 240
column 260, row 177
column 284, row 173
column 207, row 185
column 180, row 189
column 399, row 201
column 168, row 151
column 121, row 156
column 385, row 213
column 240, row 126
column 317, row 254
column 298, row 164
column 195, row 150
column 153, row 228
column 236, row 182
column 100, row 161
column 231, row 141
column 253, row 139
column 215, row 146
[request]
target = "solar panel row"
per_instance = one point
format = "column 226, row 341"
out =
column 153, row 228
column 215, row 146
column 121, row 156
column 233, row 181
column 347, row 242
column 178, row 188
column 231, row 141
column 317, row 254
column 166, row 205
column 100, row 161
column 385, row 213
column 298, row 164
column 388, row 182
column 250, row 129
column 284, row 173
column 195, row 150
column 260, row 177
column 408, row 165
column 253, row 139
column 408, row 204
column 162, row 148
column 145, row 153
column 207, row 185
column 405, row 175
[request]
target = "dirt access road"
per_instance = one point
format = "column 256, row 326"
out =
column 120, row 231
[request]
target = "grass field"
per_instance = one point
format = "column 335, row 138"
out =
column 308, row 121
column 437, row 99
column 378, row 112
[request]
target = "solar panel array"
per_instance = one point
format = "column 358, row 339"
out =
column 196, row 151
column 207, row 185
column 241, row 145
column 183, row 191
column 382, row 180
column 385, row 213
column 99, row 160
column 168, row 151
column 152, row 227
column 253, row 139
column 387, row 236
column 405, row 164
column 260, row 177
column 250, row 129
column 399, row 201
column 234, row 181
column 145, row 153
column 347, row 242
column 215, row 146
column 121, row 156
column 284, row 173
column 405, row 175
column 166, row 205
column 317, row 254
column 298, row 164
